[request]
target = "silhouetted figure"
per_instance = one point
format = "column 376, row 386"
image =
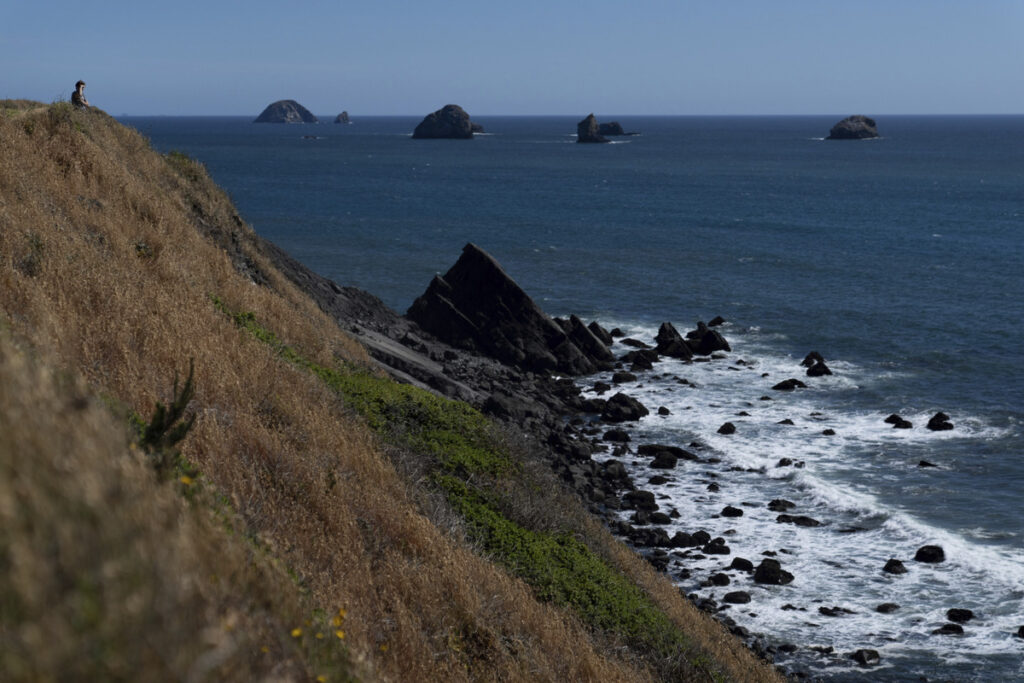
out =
column 78, row 97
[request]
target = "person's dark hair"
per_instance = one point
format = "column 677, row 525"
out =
column 79, row 83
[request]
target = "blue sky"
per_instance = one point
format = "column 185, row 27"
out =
column 529, row 57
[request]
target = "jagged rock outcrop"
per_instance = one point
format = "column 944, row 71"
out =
column 476, row 127
column 854, row 128
column 449, row 122
column 587, row 131
column 286, row 111
column 476, row 306
column 342, row 118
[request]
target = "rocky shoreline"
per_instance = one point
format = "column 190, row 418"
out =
column 476, row 336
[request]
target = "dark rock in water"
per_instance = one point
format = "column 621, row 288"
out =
column 701, row 537
column 623, row 377
column 449, row 122
column 635, row 343
column 716, row 546
column 931, row 554
column 704, row 341
column 742, row 564
column 939, row 423
column 898, row 422
column 727, row 428
column 612, row 128
column 789, row 385
column 660, row 518
column 662, row 410
column 784, row 462
column 781, row 505
column 713, row 488
column 716, row 321
column 887, row 608
column 1020, row 632
column 854, row 128
column 476, row 127
column 621, row 408
column 893, row 419
column 671, row 343
column 960, row 616
column 811, row 359
column 616, row 435
column 643, row 359
column 894, row 566
column 681, row 539
column 342, row 118
column 771, row 572
column 949, row 630
column 601, row 387
column 639, row 500
column 664, row 461
column 617, row 332
column 828, row 432
column 476, row 306
column 798, row 520
column 787, row 421
column 866, row 657
column 587, row 130
column 737, row 598
column 719, row 580
column 925, row 463
column 834, row 611
column 654, row 449
column 592, row 347
column 819, row 369
column 730, row 511
column 604, row 335
column 286, row 111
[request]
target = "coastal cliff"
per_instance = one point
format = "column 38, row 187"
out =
column 288, row 509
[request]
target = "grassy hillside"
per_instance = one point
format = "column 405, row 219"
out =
column 321, row 522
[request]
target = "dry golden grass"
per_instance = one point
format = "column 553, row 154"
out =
column 106, row 272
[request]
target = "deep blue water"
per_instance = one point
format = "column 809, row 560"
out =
column 899, row 259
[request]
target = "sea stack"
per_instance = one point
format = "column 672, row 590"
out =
column 587, row 131
column 342, row 118
column 286, row 111
column 854, row 128
column 449, row 122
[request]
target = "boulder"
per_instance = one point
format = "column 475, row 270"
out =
column 819, row 369
column 811, row 359
column 894, row 566
column 449, row 122
column 736, row 598
column 286, row 111
column 781, row 505
column 716, row 321
column 960, row 616
column 742, row 564
column 681, row 539
column 623, row 377
column 716, row 546
column 476, row 127
column 664, row 461
column 719, row 579
column 616, row 435
column 476, row 306
column 604, row 335
column 789, row 385
column 771, row 572
column 854, row 128
column 727, row 428
column 342, row 118
column 655, row 449
column 798, row 520
column 887, row 608
column 1020, row 632
column 639, row 500
column 621, row 408
column 704, row 341
column 949, row 630
column 671, row 343
column 932, row 554
column 730, row 511
column 939, row 423
column 866, row 657
column 587, row 130
column 641, row 359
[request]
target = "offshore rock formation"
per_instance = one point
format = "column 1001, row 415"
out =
column 286, row 111
column 449, row 122
column 587, row 131
column 342, row 118
column 854, row 128
column 477, row 307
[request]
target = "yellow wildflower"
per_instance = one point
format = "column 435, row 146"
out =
column 319, row 636
column 264, row 649
column 185, row 479
column 340, row 634
column 383, row 647
column 296, row 632
column 321, row 679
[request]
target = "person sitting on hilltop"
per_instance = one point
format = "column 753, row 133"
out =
column 78, row 97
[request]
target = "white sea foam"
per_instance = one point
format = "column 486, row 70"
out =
column 841, row 484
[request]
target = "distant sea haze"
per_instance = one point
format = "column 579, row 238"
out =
column 898, row 259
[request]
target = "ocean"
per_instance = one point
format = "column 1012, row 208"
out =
column 899, row 259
